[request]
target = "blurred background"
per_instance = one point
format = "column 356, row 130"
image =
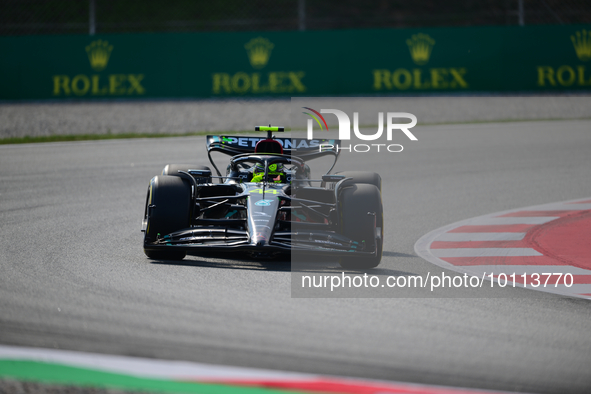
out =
column 24, row 17
column 91, row 56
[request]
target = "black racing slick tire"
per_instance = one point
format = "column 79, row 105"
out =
column 370, row 178
column 173, row 170
column 168, row 209
column 362, row 220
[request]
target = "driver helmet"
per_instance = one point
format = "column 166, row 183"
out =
column 275, row 174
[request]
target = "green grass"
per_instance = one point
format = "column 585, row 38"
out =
column 51, row 373
column 111, row 136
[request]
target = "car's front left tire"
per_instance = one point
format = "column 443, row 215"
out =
column 168, row 209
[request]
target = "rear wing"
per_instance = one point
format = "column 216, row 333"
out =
column 300, row 147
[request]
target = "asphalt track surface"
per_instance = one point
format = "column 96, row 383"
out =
column 74, row 275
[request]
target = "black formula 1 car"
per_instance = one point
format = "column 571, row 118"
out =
column 265, row 205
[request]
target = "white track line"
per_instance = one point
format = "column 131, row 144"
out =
column 528, row 269
column 485, row 252
column 464, row 237
column 487, row 221
column 143, row 367
column 559, row 207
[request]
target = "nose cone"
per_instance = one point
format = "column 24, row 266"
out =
column 261, row 236
column 262, row 215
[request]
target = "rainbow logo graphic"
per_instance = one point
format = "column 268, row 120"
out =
column 315, row 118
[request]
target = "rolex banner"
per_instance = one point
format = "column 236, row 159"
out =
column 324, row 63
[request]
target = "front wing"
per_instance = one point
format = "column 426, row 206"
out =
column 207, row 240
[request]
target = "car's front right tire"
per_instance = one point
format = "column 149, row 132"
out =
column 371, row 178
column 362, row 221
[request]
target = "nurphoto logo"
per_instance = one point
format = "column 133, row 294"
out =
column 345, row 129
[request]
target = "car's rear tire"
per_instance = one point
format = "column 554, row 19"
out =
column 168, row 209
column 370, row 178
column 355, row 203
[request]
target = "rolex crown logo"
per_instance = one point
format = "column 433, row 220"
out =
column 259, row 51
column 420, row 46
column 99, row 52
column 582, row 43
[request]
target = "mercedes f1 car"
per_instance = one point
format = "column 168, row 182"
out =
column 265, row 205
